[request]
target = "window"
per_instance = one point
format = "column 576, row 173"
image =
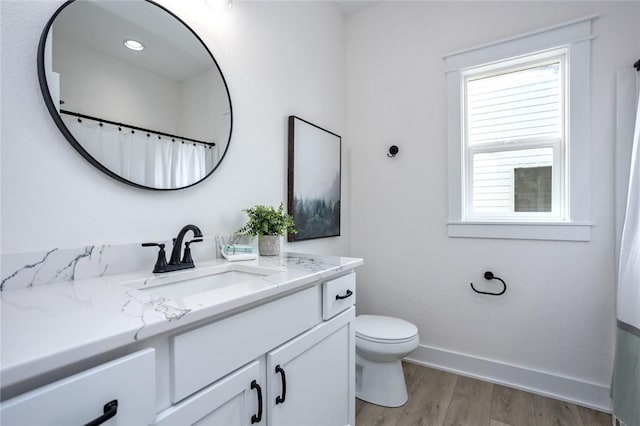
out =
column 514, row 115
column 519, row 136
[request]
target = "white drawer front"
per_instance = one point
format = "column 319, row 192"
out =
column 338, row 295
column 80, row 399
column 203, row 355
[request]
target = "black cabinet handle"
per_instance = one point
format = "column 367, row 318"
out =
column 110, row 410
column 257, row 417
column 280, row 399
column 349, row 294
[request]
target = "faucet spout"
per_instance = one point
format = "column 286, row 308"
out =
column 177, row 242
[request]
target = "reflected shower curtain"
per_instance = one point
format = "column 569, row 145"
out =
column 186, row 158
column 146, row 160
column 625, row 388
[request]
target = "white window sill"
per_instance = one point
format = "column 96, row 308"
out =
column 557, row 231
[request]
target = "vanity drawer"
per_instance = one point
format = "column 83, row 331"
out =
column 338, row 295
column 202, row 356
column 82, row 398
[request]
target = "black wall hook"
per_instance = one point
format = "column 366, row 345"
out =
column 393, row 151
column 489, row 276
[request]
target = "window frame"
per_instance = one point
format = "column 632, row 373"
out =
column 575, row 223
column 558, row 145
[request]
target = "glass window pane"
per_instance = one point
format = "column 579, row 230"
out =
column 493, row 180
column 515, row 105
column 532, row 189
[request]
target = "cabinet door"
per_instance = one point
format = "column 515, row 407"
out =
column 311, row 378
column 235, row 400
column 120, row 392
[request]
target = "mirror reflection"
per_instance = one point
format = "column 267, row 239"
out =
column 136, row 92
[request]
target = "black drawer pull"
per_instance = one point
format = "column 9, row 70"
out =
column 280, row 399
column 349, row 294
column 110, row 410
column 257, row 417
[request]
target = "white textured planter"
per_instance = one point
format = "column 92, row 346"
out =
column 269, row 245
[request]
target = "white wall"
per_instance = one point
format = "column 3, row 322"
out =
column 557, row 315
column 278, row 59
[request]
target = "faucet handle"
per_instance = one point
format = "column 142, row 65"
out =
column 153, row 245
column 161, row 262
column 186, row 258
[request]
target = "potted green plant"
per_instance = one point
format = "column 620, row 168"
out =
column 268, row 224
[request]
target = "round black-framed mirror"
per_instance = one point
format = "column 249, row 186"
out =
column 136, row 92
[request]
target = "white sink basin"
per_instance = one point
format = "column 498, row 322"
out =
column 204, row 287
column 180, row 289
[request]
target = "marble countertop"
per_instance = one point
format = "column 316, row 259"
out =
column 47, row 327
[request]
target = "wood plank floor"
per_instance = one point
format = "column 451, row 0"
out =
column 438, row 398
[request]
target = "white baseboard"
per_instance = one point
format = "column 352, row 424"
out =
column 559, row 387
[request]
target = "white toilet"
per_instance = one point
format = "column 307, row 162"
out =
column 381, row 342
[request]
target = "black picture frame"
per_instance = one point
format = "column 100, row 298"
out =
column 314, row 180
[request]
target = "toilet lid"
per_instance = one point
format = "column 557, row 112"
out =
column 381, row 328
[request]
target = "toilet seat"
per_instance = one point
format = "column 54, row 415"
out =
column 385, row 330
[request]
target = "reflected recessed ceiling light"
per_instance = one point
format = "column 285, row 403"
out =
column 134, row 44
column 219, row 4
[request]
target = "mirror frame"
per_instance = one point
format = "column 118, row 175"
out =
column 44, row 88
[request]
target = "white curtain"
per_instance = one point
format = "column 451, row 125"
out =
column 212, row 157
column 143, row 158
column 625, row 388
column 629, row 270
column 187, row 157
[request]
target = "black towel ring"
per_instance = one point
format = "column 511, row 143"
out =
column 489, row 276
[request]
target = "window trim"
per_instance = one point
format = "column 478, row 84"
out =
column 576, row 37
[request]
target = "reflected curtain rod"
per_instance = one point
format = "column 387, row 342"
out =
column 129, row 126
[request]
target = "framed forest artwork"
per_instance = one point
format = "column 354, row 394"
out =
column 313, row 173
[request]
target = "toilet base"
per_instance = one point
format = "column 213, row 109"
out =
column 380, row 382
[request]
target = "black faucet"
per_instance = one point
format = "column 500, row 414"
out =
column 175, row 263
column 177, row 245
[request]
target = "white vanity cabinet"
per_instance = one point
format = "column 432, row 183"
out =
column 278, row 364
column 287, row 360
column 120, row 392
